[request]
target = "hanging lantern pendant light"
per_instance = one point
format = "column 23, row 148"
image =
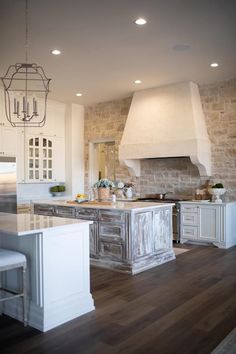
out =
column 23, row 84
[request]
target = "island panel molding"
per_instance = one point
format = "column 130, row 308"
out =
column 57, row 251
column 127, row 237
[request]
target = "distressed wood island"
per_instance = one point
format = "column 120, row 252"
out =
column 128, row 237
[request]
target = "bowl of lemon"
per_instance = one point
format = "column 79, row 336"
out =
column 80, row 198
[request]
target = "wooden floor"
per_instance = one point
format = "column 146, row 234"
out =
column 185, row 306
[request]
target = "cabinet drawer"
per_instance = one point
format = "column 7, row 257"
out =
column 112, row 216
column 189, row 208
column 67, row 212
column 189, row 232
column 189, row 219
column 86, row 213
column 114, row 231
column 44, row 210
column 111, row 250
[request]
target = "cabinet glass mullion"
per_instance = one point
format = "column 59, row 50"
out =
column 40, row 159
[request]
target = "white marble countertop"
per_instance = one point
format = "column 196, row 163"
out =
column 206, row 202
column 107, row 205
column 26, row 224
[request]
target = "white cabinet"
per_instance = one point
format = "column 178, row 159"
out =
column 55, row 120
column 44, row 159
column 8, row 134
column 208, row 223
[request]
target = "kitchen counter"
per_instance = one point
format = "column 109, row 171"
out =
column 128, row 237
column 119, row 205
column 58, row 273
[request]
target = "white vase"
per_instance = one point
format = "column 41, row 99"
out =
column 129, row 192
column 217, row 192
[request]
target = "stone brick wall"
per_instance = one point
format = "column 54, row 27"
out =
column 177, row 175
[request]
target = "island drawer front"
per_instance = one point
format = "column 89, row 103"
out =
column 87, row 213
column 113, row 231
column 44, row 210
column 111, row 250
column 112, row 216
column 189, row 232
column 189, row 219
column 189, row 208
column 65, row 211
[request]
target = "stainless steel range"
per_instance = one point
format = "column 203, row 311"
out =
column 176, row 212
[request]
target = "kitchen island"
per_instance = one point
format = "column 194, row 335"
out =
column 128, row 237
column 58, row 274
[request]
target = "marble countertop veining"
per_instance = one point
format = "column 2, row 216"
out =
column 26, row 224
column 100, row 205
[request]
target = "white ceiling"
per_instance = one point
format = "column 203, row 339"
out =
column 103, row 52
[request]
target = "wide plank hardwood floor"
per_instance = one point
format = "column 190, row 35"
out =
column 184, row 306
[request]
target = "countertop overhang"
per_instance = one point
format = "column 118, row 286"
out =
column 27, row 224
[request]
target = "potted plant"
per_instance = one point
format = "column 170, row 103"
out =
column 217, row 190
column 103, row 186
column 57, row 191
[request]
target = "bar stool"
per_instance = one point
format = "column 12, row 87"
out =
column 12, row 260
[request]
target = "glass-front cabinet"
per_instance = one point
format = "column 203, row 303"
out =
column 41, row 161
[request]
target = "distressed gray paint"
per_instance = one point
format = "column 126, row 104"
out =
column 126, row 241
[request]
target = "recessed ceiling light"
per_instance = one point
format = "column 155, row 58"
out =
column 78, row 94
column 140, row 21
column 56, row 52
column 214, row 65
column 137, row 81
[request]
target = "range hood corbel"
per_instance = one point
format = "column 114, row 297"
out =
column 166, row 122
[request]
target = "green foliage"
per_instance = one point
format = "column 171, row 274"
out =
column 56, row 189
column 218, row 185
column 104, row 183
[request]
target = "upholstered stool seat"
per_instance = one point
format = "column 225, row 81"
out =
column 12, row 260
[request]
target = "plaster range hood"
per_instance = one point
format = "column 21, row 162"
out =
column 167, row 121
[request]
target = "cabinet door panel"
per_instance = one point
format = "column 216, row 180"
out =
column 113, row 231
column 143, row 234
column 189, row 219
column 112, row 216
column 209, row 223
column 111, row 250
column 162, row 228
column 86, row 213
column 190, row 232
column 65, row 212
column 9, row 141
column 44, row 210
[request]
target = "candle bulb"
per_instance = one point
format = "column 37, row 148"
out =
column 24, row 104
column 27, row 108
column 14, row 105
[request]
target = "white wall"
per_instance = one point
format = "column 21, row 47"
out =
column 74, row 149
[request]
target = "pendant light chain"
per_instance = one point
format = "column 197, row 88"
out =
column 26, row 54
column 26, row 31
column 24, row 84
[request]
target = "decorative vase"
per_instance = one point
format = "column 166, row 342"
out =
column 129, row 192
column 103, row 193
column 217, row 192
